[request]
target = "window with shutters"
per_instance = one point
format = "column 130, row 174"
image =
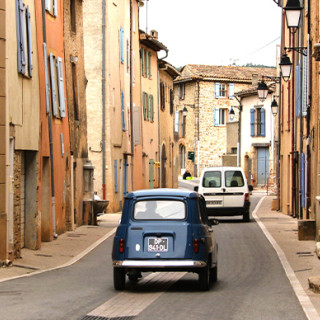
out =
column 223, row 90
column 181, row 91
column 51, row 6
column 24, row 41
column 220, row 116
column 257, row 122
column 57, row 86
column 145, row 57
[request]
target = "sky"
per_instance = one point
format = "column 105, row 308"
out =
column 215, row 32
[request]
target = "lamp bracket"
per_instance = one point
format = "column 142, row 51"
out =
column 275, row 79
column 301, row 50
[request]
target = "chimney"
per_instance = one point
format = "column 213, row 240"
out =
column 254, row 79
column 154, row 34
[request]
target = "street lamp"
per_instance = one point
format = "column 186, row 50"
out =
column 185, row 111
column 285, row 67
column 293, row 13
column 231, row 114
column 274, row 107
column 262, row 91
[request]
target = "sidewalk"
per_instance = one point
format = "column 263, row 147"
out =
column 65, row 250
column 297, row 256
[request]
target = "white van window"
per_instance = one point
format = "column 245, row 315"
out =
column 211, row 179
column 234, row 179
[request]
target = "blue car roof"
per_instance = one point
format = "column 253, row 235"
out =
column 166, row 192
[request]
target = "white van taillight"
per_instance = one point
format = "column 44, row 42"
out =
column 196, row 244
column 246, row 197
column 121, row 245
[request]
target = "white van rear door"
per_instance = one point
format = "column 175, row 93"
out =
column 235, row 187
column 212, row 187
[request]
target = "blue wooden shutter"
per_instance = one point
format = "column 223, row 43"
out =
column 121, row 45
column 216, row 117
column 62, row 106
column 231, row 90
column 53, row 86
column 122, row 109
column 115, row 176
column 252, row 114
column 305, row 67
column 45, row 57
column 298, row 90
column 217, row 90
column 125, row 176
column 263, row 123
column 28, row 23
column 20, row 37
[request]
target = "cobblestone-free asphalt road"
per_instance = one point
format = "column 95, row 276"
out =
column 251, row 285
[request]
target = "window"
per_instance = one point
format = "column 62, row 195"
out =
column 223, row 90
column 220, row 116
column 148, row 106
column 234, row 179
column 159, row 210
column 181, row 91
column 24, row 39
column 212, row 179
column 75, row 91
column 57, row 86
column 257, row 122
column 73, row 21
column 183, row 126
column 176, row 122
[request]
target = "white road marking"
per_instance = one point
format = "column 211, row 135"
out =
column 130, row 304
column 303, row 298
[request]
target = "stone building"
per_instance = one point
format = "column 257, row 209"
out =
column 207, row 94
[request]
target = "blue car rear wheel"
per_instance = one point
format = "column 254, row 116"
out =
column 119, row 278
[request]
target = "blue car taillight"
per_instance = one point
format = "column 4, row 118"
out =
column 121, row 245
column 196, row 244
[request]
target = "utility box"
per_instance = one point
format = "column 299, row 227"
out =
column 306, row 229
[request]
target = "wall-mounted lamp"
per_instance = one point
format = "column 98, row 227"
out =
column 274, row 107
column 262, row 90
column 293, row 12
column 231, row 114
column 184, row 111
column 285, row 67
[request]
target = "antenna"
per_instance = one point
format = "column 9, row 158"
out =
column 147, row 1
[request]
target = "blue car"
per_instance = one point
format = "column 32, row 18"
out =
column 164, row 230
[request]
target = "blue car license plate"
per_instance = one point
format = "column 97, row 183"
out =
column 158, row 244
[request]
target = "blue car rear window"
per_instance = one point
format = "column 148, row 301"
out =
column 159, row 210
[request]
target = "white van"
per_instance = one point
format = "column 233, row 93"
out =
column 226, row 191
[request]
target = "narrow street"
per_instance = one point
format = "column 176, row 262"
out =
column 251, row 285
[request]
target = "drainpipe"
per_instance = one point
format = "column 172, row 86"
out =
column 131, row 95
column 53, row 206
column 103, row 91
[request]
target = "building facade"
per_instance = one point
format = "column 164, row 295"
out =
column 207, row 93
